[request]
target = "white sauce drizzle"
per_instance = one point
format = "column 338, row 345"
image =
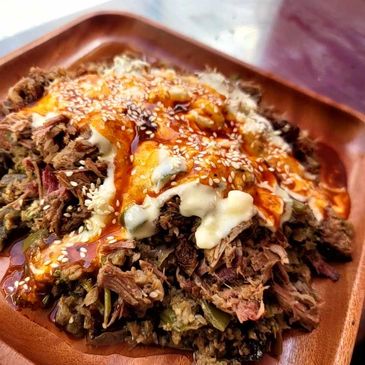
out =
column 219, row 216
column 39, row 120
column 168, row 167
column 104, row 194
column 288, row 204
column 315, row 210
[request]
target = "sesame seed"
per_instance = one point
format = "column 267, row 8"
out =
column 74, row 183
column 82, row 255
column 64, row 260
column 153, row 294
column 46, row 207
column 83, row 249
column 69, row 173
column 54, row 265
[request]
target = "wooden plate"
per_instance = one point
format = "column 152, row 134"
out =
column 30, row 338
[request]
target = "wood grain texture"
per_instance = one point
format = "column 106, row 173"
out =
column 36, row 340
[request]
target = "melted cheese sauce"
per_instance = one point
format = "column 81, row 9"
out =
column 218, row 215
column 162, row 134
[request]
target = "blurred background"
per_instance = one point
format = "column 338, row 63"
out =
column 314, row 43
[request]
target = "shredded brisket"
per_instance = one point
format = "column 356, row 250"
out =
column 37, row 167
column 29, row 89
column 229, row 304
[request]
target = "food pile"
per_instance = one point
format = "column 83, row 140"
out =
column 157, row 207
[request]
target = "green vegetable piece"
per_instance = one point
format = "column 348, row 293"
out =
column 134, row 217
column 168, row 317
column 215, row 316
column 107, row 306
column 33, row 238
column 163, row 254
column 167, row 169
column 86, row 284
column 46, row 300
column 298, row 206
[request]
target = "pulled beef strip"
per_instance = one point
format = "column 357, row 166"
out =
column 186, row 256
column 14, row 128
column 74, row 221
column 336, row 234
column 297, row 299
column 98, row 168
column 321, row 267
column 52, row 136
column 171, row 221
column 213, row 255
column 29, row 89
column 49, row 181
column 137, row 288
column 53, row 216
column 245, row 302
column 73, row 152
column 303, row 147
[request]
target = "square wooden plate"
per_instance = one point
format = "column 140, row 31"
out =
column 101, row 35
